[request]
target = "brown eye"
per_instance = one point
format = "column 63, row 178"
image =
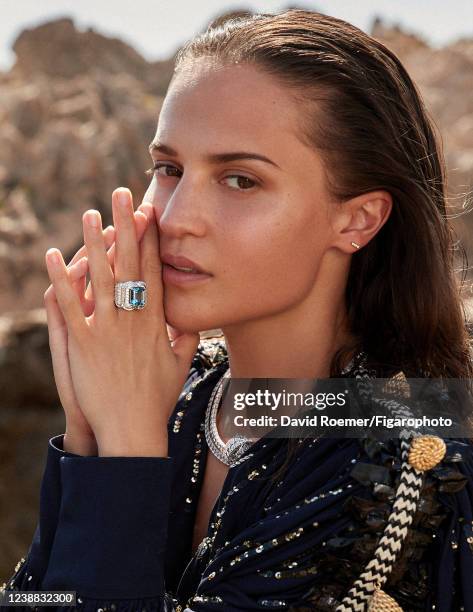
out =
column 173, row 171
column 167, row 170
column 243, row 183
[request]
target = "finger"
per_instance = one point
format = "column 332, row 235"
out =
column 173, row 332
column 109, row 236
column 141, row 222
column 175, row 335
column 55, row 319
column 184, row 345
column 78, row 277
column 77, row 274
column 127, row 256
column 89, row 293
column 184, row 348
column 78, row 270
column 101, row 275
column 64, row 292
column 151, row 267
column 87, row 305
column 57, row 333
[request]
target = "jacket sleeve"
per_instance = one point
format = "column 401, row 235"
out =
column 101, row 531
column 103, row 523
column 50, row 499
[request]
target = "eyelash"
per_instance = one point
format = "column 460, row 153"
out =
column 157, row 165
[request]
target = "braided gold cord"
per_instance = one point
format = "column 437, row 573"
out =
column 426, row 452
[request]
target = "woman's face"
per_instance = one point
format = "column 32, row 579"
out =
column 258, row 227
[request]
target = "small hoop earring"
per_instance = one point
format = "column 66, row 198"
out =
column 357, row 246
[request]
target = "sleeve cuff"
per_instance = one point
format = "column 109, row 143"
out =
column 111, row 534
column 56, row 448
column 49, row 504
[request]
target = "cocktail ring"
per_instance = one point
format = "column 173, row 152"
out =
column 130, row 295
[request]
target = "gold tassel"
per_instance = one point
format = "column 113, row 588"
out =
column 426, row 451
column 382, row 602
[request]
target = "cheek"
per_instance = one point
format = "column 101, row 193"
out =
column 275, row 261
column 264, row 264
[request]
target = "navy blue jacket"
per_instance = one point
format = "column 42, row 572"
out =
column 118, row 530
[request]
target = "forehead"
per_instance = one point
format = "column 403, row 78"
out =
column 237, row 104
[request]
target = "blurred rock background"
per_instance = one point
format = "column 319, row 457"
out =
column 77, row 111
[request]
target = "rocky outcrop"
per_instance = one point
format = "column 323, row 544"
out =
column 66, row 144
column 445, row 79
column 25, row 362
column 58, row 49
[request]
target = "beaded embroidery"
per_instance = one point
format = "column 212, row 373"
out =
column 325, row 564
column 335, row 562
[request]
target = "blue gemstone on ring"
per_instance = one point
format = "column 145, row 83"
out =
column 136, row 296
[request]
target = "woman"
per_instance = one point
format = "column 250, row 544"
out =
column 297, row 203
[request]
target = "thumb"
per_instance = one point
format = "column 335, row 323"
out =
column 184, row 346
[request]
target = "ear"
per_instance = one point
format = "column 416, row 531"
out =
column 359, row 219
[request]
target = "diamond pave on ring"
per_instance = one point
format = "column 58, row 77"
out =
column 130, row 295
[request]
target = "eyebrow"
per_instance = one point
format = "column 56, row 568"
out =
column 214, row 158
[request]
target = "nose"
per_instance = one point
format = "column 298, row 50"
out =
column 184, row 211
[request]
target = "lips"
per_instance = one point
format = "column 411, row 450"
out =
column 183, row 264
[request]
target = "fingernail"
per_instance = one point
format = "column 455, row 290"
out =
column 53, row 256
column 123, row 198
column 93, row 218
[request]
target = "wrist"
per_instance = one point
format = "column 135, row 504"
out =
column 141, row 447
column 79, row 443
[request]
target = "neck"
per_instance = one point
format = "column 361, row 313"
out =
column 297, row 343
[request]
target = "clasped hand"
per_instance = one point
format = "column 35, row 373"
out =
column 119, row 373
